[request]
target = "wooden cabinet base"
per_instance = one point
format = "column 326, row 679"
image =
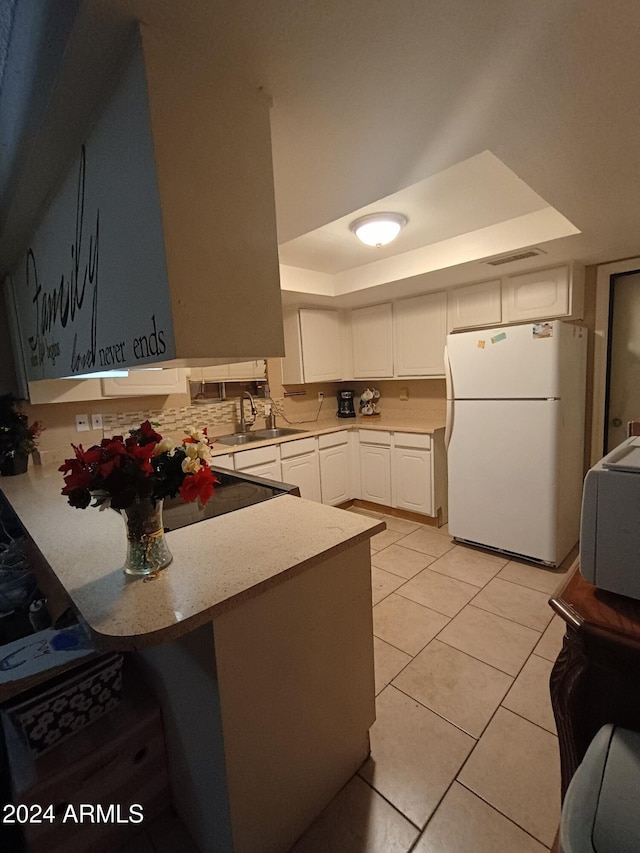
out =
column 105, row 784
column 595, row 677
column 433, row 521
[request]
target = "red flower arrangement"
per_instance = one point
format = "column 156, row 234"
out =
column 119, row 471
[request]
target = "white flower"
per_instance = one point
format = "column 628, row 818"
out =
column 191, row 450
column 203, row 452
column 196, row 434
column 191, row 465
column 164, row 446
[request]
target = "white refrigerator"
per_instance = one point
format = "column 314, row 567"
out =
column 515, row 437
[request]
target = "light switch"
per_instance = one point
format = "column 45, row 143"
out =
column 96, row 421
column 82, row 423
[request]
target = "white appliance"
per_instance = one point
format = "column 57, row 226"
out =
column 610, row 528
column 515, row 434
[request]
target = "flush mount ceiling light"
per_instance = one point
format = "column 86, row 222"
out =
column 378, row 229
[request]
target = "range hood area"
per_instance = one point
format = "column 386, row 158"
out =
column 158, row 246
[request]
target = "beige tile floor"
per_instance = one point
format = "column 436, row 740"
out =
column 464, row 752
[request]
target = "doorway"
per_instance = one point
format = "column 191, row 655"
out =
column 623, row 363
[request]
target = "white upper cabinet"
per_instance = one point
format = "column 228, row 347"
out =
column 230, row 372
column 406, row 338
column 372, row 338
column 141, row 383
column 474, row 305
column 313, row 346
column 256, row 369
column 420, row 330
column 321, row 336
column 544, row 294
column 64, row 390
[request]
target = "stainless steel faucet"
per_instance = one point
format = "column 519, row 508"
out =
column 244, row 426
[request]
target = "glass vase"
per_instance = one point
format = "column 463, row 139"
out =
column 147, row 549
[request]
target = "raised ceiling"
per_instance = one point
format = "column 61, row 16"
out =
column 371, row 100
column 471, row 212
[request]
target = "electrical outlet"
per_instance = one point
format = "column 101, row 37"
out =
column 96, row 421
column 320, row 396
column 404, row 394
column 82, row 423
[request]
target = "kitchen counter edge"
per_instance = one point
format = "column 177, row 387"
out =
column 349, row 424
column 218, row 563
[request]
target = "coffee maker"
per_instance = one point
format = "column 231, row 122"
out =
column 346, row 408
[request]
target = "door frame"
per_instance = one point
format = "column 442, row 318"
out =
column 601, row 348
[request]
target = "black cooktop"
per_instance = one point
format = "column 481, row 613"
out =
column 234, row 491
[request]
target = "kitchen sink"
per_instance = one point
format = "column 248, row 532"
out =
column 257, row 435
column 279, row 432
column 239, row 438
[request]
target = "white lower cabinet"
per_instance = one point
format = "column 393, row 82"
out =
column 375, row 466
column 403, row 470
column 261, row 461
column 412, row 476
column 269, row 470
column 335, row 482
column 223, row 461
column 300, row 466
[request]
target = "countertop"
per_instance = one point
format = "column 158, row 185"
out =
column 216, row 565
column 422, row 425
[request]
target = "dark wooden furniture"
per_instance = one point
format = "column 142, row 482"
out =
column 596, row 677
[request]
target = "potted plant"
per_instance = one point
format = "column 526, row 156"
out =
column 18, row 438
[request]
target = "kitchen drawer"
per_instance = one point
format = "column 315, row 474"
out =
column 224, row 460
column 333, row 439
column 411, row 439
column 297, row 447
column 374, row 436
column 256, row 456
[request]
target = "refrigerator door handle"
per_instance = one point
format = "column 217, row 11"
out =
column 447, row 375
column 450, row 407
column 449, row 425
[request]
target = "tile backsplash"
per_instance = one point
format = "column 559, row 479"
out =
column 174, row 420
column 399, row 399
column 55, row 443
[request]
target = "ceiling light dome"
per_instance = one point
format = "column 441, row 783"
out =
column 378, row 229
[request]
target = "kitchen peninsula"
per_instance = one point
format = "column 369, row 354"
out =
column 258, row 642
